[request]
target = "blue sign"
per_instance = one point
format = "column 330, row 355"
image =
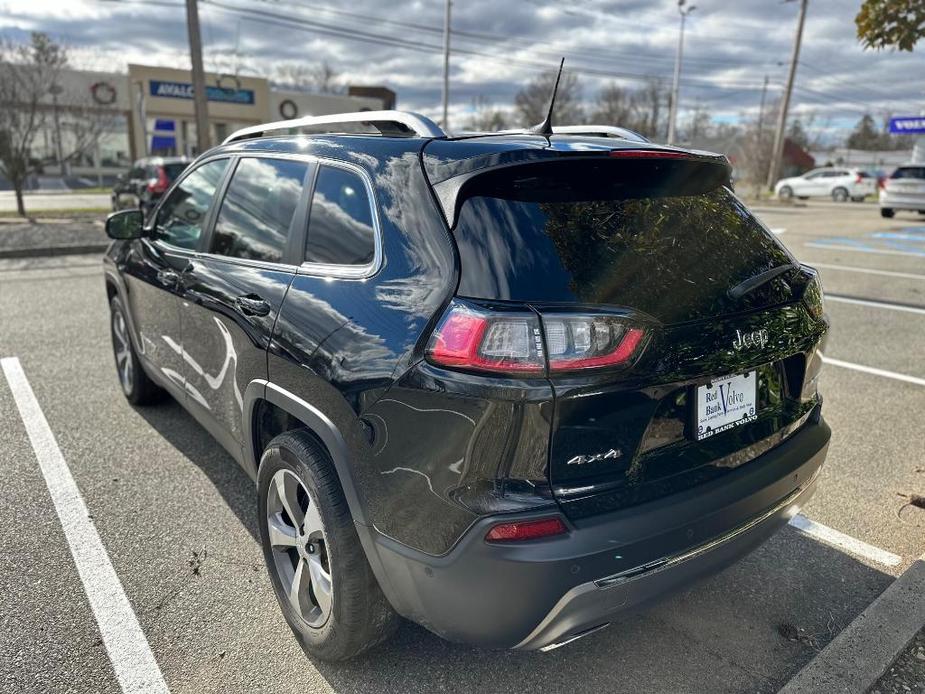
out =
column 167, row 124
column 184, row 90
column 913, row 125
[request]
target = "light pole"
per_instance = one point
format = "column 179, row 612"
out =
column 673, row 112
column 446, row 65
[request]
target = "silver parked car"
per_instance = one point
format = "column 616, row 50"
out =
column 903, row 190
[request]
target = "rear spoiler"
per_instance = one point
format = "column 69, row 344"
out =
column 684, row 172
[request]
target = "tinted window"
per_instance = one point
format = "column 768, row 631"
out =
column 258, row 208
column 673, row 257
column 909, row 172
column 341, row 228
column 180, row 218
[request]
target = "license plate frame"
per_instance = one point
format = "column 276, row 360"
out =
column 736, row 394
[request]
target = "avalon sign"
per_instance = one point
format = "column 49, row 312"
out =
column 184, row 90
column 914, row 125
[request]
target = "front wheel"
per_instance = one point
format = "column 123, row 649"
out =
column 137, row 387
column 785, row 193
column 322, row 580
column 840, row 195
column 886, row 212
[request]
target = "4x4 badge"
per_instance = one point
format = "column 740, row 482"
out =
column 756, row 338
column 612, row 454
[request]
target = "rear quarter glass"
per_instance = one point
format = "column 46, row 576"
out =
column 673, row 257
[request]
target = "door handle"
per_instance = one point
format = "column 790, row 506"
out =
column 252, row 305
column 167, row 277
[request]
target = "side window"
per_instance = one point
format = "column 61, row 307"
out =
column 180, row 218
column 814, row 174
column 255, row 216
column 340, row 231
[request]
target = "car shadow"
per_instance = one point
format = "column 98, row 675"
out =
column 178, row 427
column 749, row 628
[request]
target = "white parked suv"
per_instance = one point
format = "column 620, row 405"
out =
column 835, row 183
column 903, row 190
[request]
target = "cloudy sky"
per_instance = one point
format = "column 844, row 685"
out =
column 730, row 46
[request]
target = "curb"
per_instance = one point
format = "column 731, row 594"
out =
column 52, row 250
column 863, row 651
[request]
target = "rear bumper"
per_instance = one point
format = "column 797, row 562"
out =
column 896, row 201
column 539, row 594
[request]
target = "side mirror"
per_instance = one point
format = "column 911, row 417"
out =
column 127, row 224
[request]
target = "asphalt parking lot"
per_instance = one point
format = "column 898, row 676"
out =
column 177, row 517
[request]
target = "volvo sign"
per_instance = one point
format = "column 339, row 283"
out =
column 910, row 125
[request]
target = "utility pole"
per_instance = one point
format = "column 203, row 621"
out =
column 200, row 104
column 673, row 111
column 446, row 65
column 774, row 170
column 759, row 136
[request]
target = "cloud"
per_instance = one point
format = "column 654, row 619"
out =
column 498, row 46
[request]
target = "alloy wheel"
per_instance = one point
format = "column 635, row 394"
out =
column 124, row 362
column 299, row 548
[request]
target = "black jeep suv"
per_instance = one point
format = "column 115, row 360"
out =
column 505, row 386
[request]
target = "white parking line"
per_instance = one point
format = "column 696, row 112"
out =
column 874, row 304
column 872, row 370
column 868, row 271
column 875, row 251
column 844, row 542
column 128, row 649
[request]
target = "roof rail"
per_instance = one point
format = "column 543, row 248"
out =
column 604, row 130
column 394, row 123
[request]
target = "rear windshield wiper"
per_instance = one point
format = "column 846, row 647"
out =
column 752, row 283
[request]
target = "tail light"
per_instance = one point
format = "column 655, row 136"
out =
column 160, row 184
column 503, row 341
column 471, row 338
column 881, row 181
column 858, row 178
column 526, row 530
column 587, row 342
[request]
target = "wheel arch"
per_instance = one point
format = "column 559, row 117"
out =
column 310, row 418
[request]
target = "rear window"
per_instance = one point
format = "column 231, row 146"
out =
column 909, row 172
column 671, row 256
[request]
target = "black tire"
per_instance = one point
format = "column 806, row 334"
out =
column 136, row 386
column 886, row 212
column 840, row 195
column 857, row 198
column 785, row 193
column 358, row 615
column 803, row 197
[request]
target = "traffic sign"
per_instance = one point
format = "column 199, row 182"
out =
column 913, row 125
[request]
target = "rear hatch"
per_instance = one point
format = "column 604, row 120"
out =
column 662, row 244
column 907, row 181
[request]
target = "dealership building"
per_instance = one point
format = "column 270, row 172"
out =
column 149, row 111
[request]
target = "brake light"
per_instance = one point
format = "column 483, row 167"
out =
column 526, row 530
column 858, row 178
column 648, row 154
column 588, row 341
column 161, row 183
column 510, row 341
column 471, row 338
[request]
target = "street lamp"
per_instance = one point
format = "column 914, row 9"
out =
column 673, row 113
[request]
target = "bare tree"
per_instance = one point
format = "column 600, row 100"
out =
column 320, row 77
column 614, row 106
column 30, row 88
column 651, row 118
column 532, row 102
column 485, row 116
